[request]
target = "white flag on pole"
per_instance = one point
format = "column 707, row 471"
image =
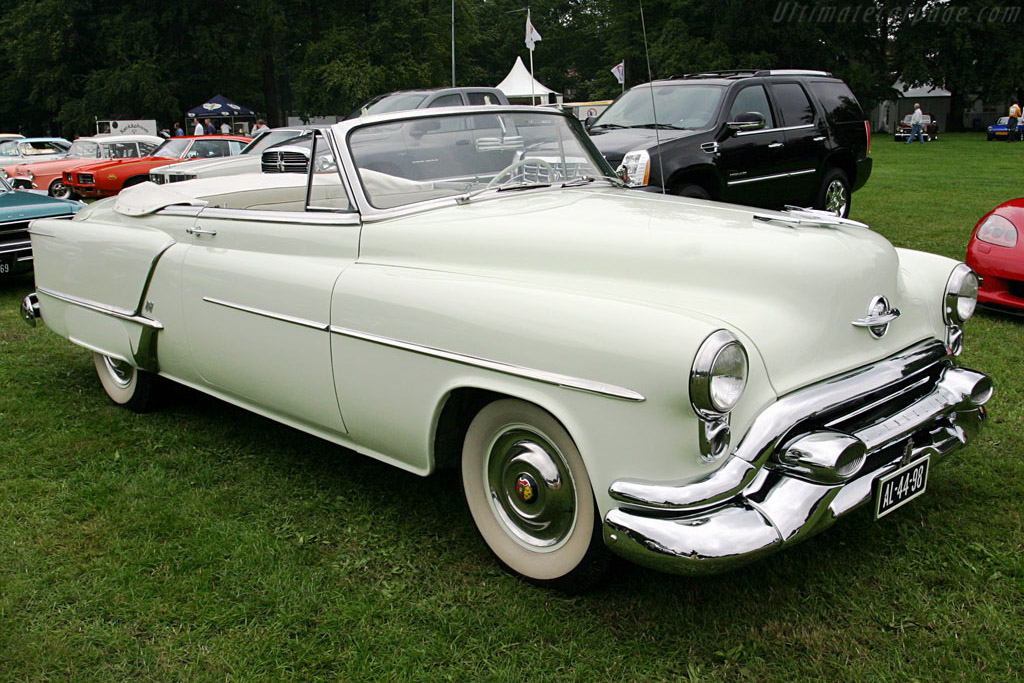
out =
column 619, row 71
column 532, row 37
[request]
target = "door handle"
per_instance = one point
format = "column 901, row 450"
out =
column 199, row 231
column 776, row 145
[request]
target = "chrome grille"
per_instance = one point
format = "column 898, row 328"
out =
column 284, row 162
column 13, row 234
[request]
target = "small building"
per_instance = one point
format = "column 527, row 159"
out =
column 933, row 100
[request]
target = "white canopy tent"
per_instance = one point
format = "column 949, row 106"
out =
column 519, row 86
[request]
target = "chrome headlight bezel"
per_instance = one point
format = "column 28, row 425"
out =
column 635, row 168
column 719, row 375
column 961, row 297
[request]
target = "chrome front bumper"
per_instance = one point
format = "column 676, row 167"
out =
column 913, row 404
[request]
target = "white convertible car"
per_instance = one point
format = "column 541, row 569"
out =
column 686, row 384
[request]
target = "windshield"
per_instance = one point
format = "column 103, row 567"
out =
column 271, row 138
column 172, row 149
column 398, row 101
column 678, row 106
column 403, row 162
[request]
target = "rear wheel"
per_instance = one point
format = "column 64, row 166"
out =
column 125, row 384
column 137, row 180
column 834, row 193
column 530, row 496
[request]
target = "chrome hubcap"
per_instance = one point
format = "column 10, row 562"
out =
column 531, row 489
column 119, row 371
column 835, row 198
column 59, row 190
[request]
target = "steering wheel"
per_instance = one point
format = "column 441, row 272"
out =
column 509, row 172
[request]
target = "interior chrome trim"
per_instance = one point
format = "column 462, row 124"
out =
column 303, row 322
column 113, row 311
column 566, row 381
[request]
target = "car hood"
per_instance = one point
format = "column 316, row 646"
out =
column 793, row 291
column 45, row 167
column 21, row 205
column 121, row 164
column 613, row 143
column 208, row 166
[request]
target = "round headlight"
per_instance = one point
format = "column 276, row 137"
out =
column 719, row 374
column 961, row 295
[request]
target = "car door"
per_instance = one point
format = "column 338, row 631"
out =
column 751, row 162
column 806, row 141
column 256, row 290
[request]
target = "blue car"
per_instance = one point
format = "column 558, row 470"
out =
column 997, row 131
column 17, row 209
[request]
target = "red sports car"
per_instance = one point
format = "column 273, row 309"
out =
column 996, row 253
column 107, row 178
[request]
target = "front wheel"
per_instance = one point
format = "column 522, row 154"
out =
column 691, row 190
column 59, row 190
column 125, row 384
column 531, row 498
column 834, row 193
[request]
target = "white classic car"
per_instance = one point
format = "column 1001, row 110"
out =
column 689, row 385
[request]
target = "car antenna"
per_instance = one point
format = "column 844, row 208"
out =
column 654, row 109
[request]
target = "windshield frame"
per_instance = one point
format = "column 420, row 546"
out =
column 341, row 134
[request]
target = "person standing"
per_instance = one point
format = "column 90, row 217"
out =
column 916, row 121
column 208, row 128
column 260, row 126
column 225, row 128
column 199, row 128
column 178, row 132
column 1011, row 124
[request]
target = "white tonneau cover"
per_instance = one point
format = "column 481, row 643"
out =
column 138, row 200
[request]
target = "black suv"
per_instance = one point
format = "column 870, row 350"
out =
column 762, row 138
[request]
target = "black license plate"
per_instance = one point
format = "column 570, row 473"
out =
column 6, row 265
column 902, row 486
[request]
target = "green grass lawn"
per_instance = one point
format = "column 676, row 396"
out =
column 202, row 542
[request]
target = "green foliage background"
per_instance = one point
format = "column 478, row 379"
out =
column 68, row 61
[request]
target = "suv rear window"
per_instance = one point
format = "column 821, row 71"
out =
column 838, row 102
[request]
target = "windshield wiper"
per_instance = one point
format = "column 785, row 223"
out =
column 587, row 179
column 521, row 186
column 608, row 125
column 662, row 126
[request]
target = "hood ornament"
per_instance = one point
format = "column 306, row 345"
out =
column 880, row 314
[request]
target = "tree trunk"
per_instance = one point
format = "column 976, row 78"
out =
column 275, row 118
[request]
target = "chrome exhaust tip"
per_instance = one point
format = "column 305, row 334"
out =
column 30, row 309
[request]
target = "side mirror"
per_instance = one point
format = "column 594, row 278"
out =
column 751, row 120
column 588, row 122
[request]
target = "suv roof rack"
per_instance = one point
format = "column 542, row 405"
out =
column 735, row 73
column 722, row 74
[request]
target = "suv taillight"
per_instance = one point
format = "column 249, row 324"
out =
column 867, row 129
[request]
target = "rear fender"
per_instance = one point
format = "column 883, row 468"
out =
column 91, row 278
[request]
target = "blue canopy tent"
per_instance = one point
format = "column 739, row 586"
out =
column 219, row 109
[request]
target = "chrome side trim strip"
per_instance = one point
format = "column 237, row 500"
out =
column 553, row 378
column 303, row 322
column 774, row 130
column 754, row 180
column 33, row 231
column 287, row 217
column 113, row 311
